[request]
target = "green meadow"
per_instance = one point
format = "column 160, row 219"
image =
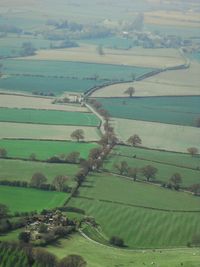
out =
column 75, row 70
column 98, row 256
column 109, row 187
column 177, row 159
column 171, row 110
column 23, row 170
column 139, row 213
column 28, row 199
column 44, row 149
column 57, row 86
column 165, row 170
column 54, row 117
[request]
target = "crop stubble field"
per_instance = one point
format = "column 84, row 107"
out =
column 44, row 132
column 158, row 135
column 134, row 57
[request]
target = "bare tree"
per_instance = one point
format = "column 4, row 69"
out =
column 3, row 153
column 149, row 172
column 193, row 151
column 130, row 91
column 121, row 167
column 134, row 140
column 59, row 182
column 176, row 180
column 78, row 135
column 195, row 188
column 38, row 179
column 197, row 122
column 133, row 173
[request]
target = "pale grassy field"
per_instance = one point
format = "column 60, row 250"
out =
column 44, row 132
column 188, row 19
column 158, row 135
column 15, row 101
column 154, row 58
column 170, row 83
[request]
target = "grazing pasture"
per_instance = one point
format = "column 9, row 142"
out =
column 20, row 170
column 177, row 159
column 98, row 256
column 112, row 188
column 158, row 135
column 151, row 58
column 117, row 205
column 44, row 149
column 170, row 110
column 165, row 170
column 52, row 117
column 31, row 102
column 29, row 199
column 44, row 132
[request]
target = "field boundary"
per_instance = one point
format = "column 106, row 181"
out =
column 155, row 161
column 138, row 206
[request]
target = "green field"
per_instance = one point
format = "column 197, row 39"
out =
column 117, row 205
column 53, row 117
column 164, row 173
column 73, row 70
column 177, row 159
column 44, row 149
column 57, row 86
column 142, row 228
column 112, row 188
column 172, row 110
column 23, row 170
column 100, row 256
column 28, row 199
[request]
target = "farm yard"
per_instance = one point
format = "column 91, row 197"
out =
column 31, row 102
column 43, row 150
column 170, row 110
column 158, row 135
column 25, row 200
